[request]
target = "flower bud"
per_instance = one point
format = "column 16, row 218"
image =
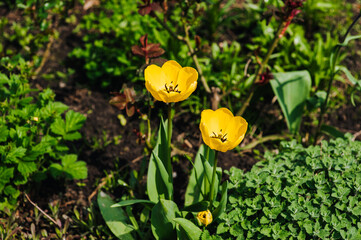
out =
column 205, row 217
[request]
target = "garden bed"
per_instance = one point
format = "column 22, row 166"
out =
column 113, row 150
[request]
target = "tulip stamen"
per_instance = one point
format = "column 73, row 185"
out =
column 171, row 88
column 220, row 136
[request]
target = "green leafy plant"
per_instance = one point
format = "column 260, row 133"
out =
column 292, row 102
column 299, row 193
column 33, row 138
column 106, row 54
column 167, row 220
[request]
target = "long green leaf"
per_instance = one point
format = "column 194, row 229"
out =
column 166, row 179
column 155, row 184
column 222, row 204
column 348, row 74
column 162, row 215
column 115, row 218
column 124, row 203
column 332, row 131
column 292, row 90
column 193, row 232
column 348, row 39
column 208, row 169
column 193, row 193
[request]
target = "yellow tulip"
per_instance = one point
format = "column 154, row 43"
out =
column 205, row 217
column 171, row 82
column 221, row 130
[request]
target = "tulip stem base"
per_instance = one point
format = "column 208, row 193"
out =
column 169, row 164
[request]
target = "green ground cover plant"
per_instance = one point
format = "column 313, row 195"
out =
column 33, row 137
column 298, row 193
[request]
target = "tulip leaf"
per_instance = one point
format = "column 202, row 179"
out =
column 197, row 207
column 167, row 181
column 124, row 203
column 222, row 204
column 193, row 232
column 115, row 218
column 208, row 170
column 193, row 193
column 292, row 90
column 161, row 219
column 155, row 185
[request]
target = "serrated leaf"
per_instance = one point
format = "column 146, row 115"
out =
column 115, row 218
column 59, row 107
column 3, row 133
column 72, row 136
column 3, row 78
column 11, row 191
column 193, row 232
column 5, row 175
column 222, row 228
column 25, row 168
column 61, row 148
column 56, row 170
column 357, row 211
column 74, row 169
column 36, row 151
column 15, row 153
column 73, row 121
column 58, row 127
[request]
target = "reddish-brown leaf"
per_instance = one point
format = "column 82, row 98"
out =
column 137, row 50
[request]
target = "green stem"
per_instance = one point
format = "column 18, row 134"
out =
column 187, row 41
column 333, row 73
column 213, row 179
column 206, row 184
column 195, row 59
column 261, row 67
column 169, row 164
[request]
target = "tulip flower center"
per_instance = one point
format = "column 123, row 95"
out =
column 170, row 88
column 220, row 136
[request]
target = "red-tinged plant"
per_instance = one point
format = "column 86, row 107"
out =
column 290, row 10
column 147, row 50
column 265, row 77
column 126, row 100
column 148, row 7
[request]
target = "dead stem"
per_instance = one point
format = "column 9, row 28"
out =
column 45, row 214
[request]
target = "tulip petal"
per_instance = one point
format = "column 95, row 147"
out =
column 153, row 75
column 222, row 131
column 171, row 69
column 171, row 82
column 241, row 131
column 154, row 80
column 187, row 81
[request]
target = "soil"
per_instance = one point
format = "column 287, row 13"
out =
column 102, row 159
